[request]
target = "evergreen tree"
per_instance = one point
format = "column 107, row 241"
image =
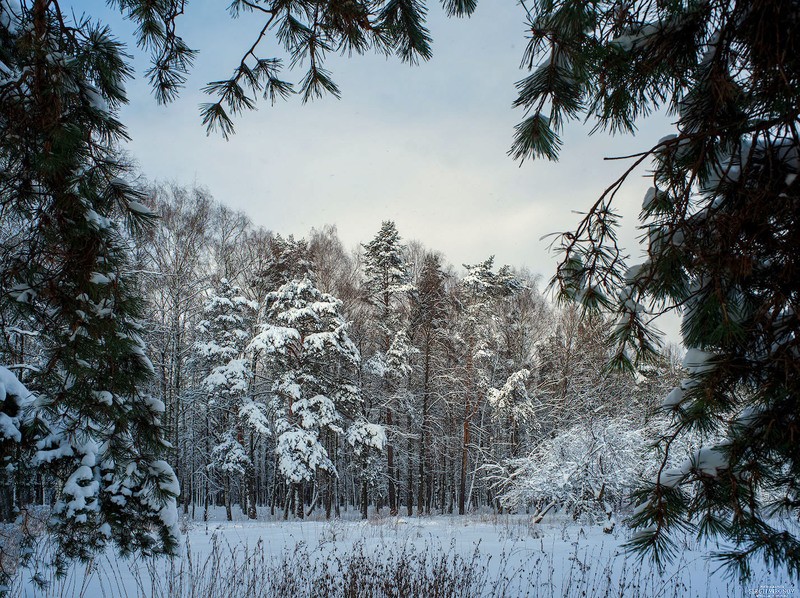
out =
column 305, row 32
column 367, row 441
column 288, row 259
column 225, row 332
column 385, row 287
column 68, row 298
column 428, row 325
column 722, row 225
column 304, row 339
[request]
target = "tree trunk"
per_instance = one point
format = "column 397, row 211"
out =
column 314, row 499
column 299, row 500
column 410, row 487
column 466, row 434
column 186, row 491
column 475, row 468
column 443, row 484
column 327, row 486
column 364, row 499
column 252, row 512
column 390, row 469
column 423, row 438
column 275, row 486
column 206, row 499
column 328, row 497
column 287, row 503
column 337, row 507
column 228, row 511
column 462, row 481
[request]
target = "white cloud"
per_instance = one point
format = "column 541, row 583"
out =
column 424, row 146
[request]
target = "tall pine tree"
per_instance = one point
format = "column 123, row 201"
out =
column 385, row 288
column 304, row 340
column 428, row 324
column 68, row 298
column 722, row 225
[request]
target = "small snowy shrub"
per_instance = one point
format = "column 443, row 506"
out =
column 586, row 470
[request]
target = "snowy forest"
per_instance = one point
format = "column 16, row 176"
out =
column 299, row 375
column 296, row 377
column 193, row 404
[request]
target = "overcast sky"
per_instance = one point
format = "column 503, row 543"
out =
column 424, row 146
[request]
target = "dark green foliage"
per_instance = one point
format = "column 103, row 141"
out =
column 384, row 266
column 429, row 299
column 460, row 8
column 535, row 137
column 171, row 58
column 288, row 260
column 68, row 302
column 306, row 30
column 404, row 19
column 722, row 229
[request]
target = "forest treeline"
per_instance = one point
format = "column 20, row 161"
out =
column 299, row 375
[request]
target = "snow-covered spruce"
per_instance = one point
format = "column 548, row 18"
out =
column 305, row 342
column 235, row 419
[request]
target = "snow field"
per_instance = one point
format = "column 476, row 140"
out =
column 440, row 556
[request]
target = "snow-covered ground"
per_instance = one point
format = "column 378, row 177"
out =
column 484, row 555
